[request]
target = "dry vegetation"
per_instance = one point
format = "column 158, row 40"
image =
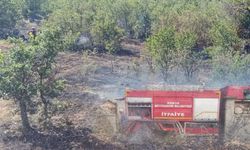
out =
column 4, row 46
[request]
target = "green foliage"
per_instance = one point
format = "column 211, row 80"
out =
column 104, row 30
column 134, row 17
column 32, row 9
column 9, row 15
column 72, row 18
column 185, row 41
column 47, row 46
column 28, row 71
column 229, row 63
column 171, row 50
column 1, row 57
column 178, row 31
column 16, row 73
column 244, row 19
column 231, row 67
column 162, row 48
column 198, row 25
column 17, row 79
column 105, row 33
column 189, row 59
column 91, row 19
column 68, row 24
column 224, row 35
column 191, row 16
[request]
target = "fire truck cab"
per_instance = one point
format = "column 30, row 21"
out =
column 235, row 113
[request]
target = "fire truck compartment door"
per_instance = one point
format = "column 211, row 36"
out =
column 206, row 109
column 173, row 108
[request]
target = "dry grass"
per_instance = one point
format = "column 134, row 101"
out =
column 9, row 119
column 3, row 42
column 6, row 111
column 4, row 46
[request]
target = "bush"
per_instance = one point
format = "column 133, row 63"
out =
column 231, row 68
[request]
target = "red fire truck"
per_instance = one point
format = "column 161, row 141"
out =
column 200, row 111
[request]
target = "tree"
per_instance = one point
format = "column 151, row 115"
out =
column 241, row 12
column 32, row 9
column 47, row 45
column 9, row 15
column 171, row 49
column 134, row 17
column 244, row 30
column 28, row 71
column 162, row 48
column 229, row 62
column 17, row 79
column 230, row 68
column 224, row 34
column 105, row 32
column 189, row 58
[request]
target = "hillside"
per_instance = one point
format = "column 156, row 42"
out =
column 82, row 120
column 65, row 67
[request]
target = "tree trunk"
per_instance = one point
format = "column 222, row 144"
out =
column 45, row 104
column 45, row 112
column 24, row 117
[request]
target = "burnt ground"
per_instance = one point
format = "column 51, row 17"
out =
column 103, row 74
column 81, row 123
